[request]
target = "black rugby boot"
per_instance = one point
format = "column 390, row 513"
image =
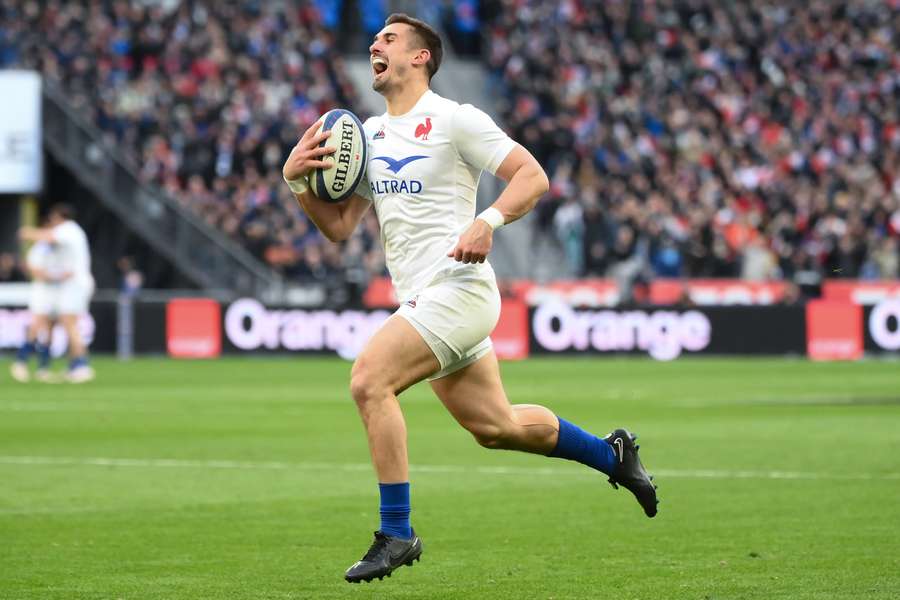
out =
column 629, row 472
column 386, row 554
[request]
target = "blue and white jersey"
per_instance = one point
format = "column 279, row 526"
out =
column 422, row 177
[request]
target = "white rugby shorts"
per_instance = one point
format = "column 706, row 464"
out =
column 455, row 317
column 42, row 298
column 73, row 296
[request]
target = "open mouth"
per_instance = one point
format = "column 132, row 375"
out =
column 379, row 65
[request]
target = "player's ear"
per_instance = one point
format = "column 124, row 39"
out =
column 422, row 56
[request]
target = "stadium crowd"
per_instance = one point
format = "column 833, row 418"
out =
column 205, row 99
column 694, row 138
column 700, row 138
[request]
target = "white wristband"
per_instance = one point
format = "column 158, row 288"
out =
column 299, row 185
column 492, row 217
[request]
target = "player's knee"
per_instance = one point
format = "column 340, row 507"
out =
column 359, row 387
column 364, row 385
column 490, row 436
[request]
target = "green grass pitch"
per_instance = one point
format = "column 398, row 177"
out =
column 249, row 478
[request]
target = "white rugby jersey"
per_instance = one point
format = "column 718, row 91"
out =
column 422, row 177
column 72, row 246
column 44, row 256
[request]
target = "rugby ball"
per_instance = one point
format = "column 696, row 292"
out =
column 349, row 161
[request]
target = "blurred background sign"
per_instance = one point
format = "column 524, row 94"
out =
column 21, row 156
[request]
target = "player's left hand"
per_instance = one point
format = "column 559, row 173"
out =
column 474, row 244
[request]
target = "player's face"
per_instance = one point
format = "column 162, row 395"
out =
column 392, row 55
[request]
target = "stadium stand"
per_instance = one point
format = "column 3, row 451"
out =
column 705, row 139
column 206, row 98
column 695, row 139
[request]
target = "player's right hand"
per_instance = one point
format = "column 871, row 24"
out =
column 307, row 155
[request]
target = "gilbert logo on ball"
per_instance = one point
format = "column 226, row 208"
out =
column 340, row 181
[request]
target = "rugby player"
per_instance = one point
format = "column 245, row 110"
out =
column 74, row 290
column 426, row 154
column 43, row 269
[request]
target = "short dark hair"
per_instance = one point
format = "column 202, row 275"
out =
column 63, row 210
column 427, row 36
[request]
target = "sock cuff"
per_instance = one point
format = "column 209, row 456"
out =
column 567, row 434
column 394, row 494
column 388, row 486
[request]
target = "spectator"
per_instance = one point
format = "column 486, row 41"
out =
column 205, row 99
column 132, row 280
column 568, row 222
column 758, row 261
column 10, row 271
column 745, row 133
column 886, row 259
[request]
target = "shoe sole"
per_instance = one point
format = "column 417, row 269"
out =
column 408, row 563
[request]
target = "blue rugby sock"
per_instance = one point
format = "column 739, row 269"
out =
column 79, row 361
column 575, row 443
column 395, row 509
column 43, row 352
column 25, row 352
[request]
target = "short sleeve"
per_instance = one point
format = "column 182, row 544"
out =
column 64, row 233
column 478, row 139
column 363, row 189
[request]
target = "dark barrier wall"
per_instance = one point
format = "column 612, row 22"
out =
column 247, row 326
column 882, row 327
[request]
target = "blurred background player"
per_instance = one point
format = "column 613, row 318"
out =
column 75, row 287
column 44, row 269
column 427, row 154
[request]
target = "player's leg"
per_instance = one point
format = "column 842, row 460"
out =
column 79, row 369
column 395, row 358
column 475, row 397
column 42, row 345
column 73, row 300
column 19, row 368
column 40, row 305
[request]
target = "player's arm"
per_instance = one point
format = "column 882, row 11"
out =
column 335, row 221
column 37, row 234
column 37, row 274
column 526, row 183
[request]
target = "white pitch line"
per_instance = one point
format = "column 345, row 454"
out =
column 482, row 470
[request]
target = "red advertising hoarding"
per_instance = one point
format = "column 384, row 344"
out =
column 834, row 330
column 716, row 292
column 859, row 291
column 598, row 292
column 510, row 336
column 193, row 328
